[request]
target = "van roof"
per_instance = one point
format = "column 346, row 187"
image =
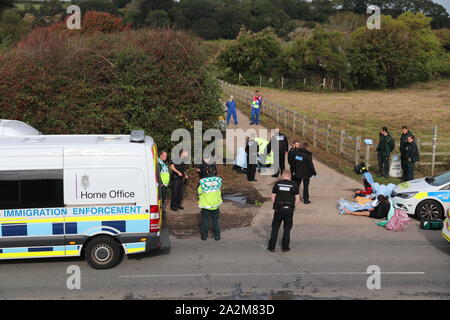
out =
column 82, row 139
column 15, row 128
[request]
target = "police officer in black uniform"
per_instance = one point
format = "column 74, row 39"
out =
column 251, row 148
column 207, row 168
column 283, row 147
column 284, row 196
column 177, row 178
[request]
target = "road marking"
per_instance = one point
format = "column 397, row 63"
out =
column 263, row 274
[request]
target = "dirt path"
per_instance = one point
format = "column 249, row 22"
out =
column 325, row 190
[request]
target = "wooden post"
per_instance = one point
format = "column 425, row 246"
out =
column 260, row 80
column 282, row 83
column 315, row 133
column 304, row 126
column 285, row 117
column 434, row 145
column 278, row 113
column 357, row 148
column 341, row 142
column 418, row 149
column 327, row 142
column 294, row 122
column 367, row 158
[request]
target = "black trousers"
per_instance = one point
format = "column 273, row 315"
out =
column 305, row 187
column 251, row 172
column 164, row 191
column 285, row 216
column 409, row 175
column 403, row 162
column 383, row 163
column 177, row 192
column 281, row 165
column 214, row 215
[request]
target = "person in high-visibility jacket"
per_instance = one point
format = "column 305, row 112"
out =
column 164, row 177
column 209, row 201
column 256, row 106
column 264, row 157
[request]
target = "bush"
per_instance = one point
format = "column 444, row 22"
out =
column 108, row 83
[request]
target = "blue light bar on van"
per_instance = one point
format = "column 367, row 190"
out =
column 137, row 136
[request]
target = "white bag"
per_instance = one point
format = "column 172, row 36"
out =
column 395, row 169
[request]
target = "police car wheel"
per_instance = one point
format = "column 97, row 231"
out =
column 429, row 210
column 103, row 253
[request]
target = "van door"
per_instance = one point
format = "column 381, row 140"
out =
column 31, row 213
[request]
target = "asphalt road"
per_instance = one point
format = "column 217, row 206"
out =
column 323, row 264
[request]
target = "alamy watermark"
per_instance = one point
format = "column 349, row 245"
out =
column 73, row 282
column 236, row 139
column 374, row 280
column 374, row 21
column 74, row 20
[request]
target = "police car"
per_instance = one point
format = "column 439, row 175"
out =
column 427, row 198
column 78, row 195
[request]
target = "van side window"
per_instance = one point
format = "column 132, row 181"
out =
column 31, row 189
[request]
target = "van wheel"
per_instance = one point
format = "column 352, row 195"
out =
column 429, row 210
column 103, row 252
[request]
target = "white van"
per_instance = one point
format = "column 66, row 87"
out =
column 72, row 195
column 14, row 128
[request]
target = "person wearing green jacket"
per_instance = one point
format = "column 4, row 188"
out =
column 164, row 177
column 385, row 146
column 209, row 201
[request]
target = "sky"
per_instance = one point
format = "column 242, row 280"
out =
column 444, row 3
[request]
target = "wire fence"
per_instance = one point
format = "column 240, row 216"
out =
column 336, row 141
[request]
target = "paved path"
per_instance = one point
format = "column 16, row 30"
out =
column 325, row 189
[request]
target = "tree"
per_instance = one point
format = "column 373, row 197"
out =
column 97, row 5
column 396, row 7
column 444, row 38
column 49, row 8
column 252, row 55
column 12, row 27
column 158, row 19
column 326, row 54
column 401, row 52
column 6, row 4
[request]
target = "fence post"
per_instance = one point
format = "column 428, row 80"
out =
column 418, row 149
column 315, row 133
column 434, row 144
column 294, row 121
column 367, row 158
column 260, row 81
column 285, row 117
column 327, row 142
column 341, row 142
column 282, row 83
column 357, row 148
column 278, row 113
column 304, row 126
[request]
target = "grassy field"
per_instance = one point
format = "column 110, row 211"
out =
column 363, row 113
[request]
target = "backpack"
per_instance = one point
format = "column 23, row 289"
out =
column 436, row 224
column 399, row 221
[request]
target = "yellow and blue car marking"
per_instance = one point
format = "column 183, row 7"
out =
column 26, row 233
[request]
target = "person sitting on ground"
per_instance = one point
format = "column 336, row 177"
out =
column 379, row 212
column 367, row 189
